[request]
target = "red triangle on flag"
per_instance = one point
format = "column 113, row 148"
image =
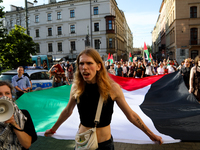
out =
column 108, row 56
column 145, row 46
column 130, row 54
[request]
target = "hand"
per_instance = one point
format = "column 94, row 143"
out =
column 11, row 121
column 190, row 90
column 157, row 139
column 48, row 133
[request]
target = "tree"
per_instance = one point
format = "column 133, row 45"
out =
column 16, row 48
column 2, row 13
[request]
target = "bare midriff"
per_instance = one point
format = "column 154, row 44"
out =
column 103, row 134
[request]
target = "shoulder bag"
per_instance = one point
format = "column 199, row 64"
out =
column 88, row 139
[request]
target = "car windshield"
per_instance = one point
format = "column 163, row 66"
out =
column 6, row 77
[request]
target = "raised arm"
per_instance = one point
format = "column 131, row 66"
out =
column 63, row 116
column 133, row 117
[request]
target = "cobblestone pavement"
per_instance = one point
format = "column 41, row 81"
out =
column 48, row 143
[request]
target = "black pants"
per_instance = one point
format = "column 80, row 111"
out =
column 107, row 145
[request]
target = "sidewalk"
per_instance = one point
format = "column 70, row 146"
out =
column 48, row 143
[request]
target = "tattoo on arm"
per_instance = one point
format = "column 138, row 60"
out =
column 142, row 125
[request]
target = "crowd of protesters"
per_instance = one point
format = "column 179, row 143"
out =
column 189, row 69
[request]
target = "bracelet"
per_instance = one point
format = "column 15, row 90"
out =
column 52, row 131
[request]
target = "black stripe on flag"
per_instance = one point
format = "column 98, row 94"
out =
column 173, row 110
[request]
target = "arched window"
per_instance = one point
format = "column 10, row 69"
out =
column 193, row 12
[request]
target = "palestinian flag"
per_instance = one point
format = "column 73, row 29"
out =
column 146, row 53
column 130, row 57
column 108, row 56
column 111, row 59
column 163, row 103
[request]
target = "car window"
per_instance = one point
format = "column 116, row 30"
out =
column 42, row 76
column 6, row 77
column 34, row 76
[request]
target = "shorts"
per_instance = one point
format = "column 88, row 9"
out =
column 107, row 145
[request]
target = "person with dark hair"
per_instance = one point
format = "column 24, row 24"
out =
column 185, row 71
column 195, row 79
column 91, row 81
column 59, row 75
column 21, row 82
column 18, row 132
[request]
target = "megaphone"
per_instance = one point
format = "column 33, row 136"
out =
column 6, row 110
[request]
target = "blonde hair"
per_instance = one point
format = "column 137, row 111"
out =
column 102, row 78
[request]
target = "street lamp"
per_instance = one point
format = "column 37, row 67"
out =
column 91, row 23
column 26, row 14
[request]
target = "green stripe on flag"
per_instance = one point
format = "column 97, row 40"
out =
column 45, row 106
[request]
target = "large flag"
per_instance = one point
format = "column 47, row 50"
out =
column 163, row 103
column 108, row 56
column 146, row 53
column 111, row 59
column 130, row 57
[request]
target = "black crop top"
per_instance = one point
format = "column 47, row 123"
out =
column 88, row 105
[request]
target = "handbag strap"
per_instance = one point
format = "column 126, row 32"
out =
column 99, row 109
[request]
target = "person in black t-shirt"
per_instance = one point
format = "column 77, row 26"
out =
column 185, row 71
column 139, row 71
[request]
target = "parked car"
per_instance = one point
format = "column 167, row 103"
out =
column 39, row 78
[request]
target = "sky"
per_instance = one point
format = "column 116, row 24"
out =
column 141, row 16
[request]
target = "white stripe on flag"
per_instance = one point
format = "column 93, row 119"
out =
column 121, row 129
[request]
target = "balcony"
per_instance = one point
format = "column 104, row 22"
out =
column 195, row 42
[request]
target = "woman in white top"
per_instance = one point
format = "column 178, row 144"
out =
column 161, row 69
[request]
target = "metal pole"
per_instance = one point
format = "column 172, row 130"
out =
column 26, row 16
column 91, row 23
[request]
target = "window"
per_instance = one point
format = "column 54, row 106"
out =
column 72, row 14
column 18, row 22
column 49, row 17
column 182, row 52
column 193, row 12
column 72, row 28
column 110, row 25
column 38, row 48
column 97, row 43
column 193, row 36
column 59, row 15
column 36, row 18
column 49, row 31
column 96, row 12
column 73, row 46
column 59, row 30
column 60, row 47
column 50, row 48
column 96, row 26
column 11, row 23
column 37, row 33
column 110, row 43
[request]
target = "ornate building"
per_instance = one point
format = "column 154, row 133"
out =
column 63, row 29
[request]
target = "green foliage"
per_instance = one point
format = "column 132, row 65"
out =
column 16, row 47
column 2, row 13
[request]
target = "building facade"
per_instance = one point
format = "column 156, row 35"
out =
column 63, row 29
column 177, row 32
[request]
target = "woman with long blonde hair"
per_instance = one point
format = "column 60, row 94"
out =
column 91, row 80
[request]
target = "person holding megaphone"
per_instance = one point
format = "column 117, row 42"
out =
column 17, row 131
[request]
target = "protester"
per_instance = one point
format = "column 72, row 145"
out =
column 18, row 132
column 111, row 70
column 131, row 70
column 45, row 65
column 91, row 80
column 139, row 71
column 119, row 70
column 20, row 82
column 161, row 69
column 124, row 70
column 185, row 71
column 149, row 69
column 170, row 68
column 195, row 79
column 71, row 72
column 59, row 75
